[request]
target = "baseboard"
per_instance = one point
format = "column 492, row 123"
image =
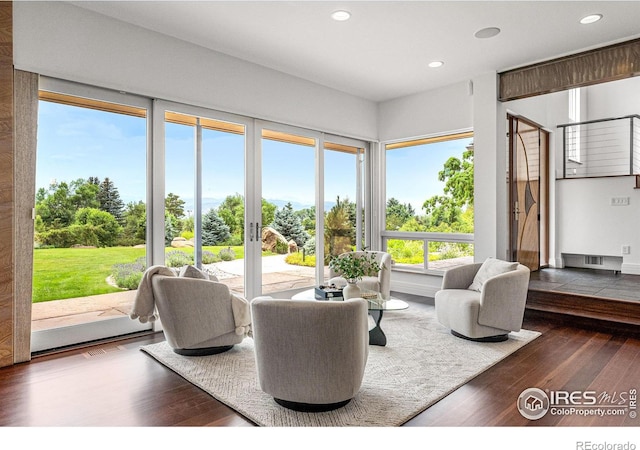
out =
column 414, row 288
column 630, row 268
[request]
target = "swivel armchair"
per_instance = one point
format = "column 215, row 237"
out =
column 199, row 316
column 310, row 355
column 483, row 301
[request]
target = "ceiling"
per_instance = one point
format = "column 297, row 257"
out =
column 383, row 51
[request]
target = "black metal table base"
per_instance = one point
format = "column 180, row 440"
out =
column 376, row 335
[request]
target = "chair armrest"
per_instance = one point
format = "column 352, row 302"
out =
column 460, row 277
column 504, row 298
column 193, row 310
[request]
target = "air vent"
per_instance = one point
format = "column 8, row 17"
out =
column 593, row 260
column 102, row 351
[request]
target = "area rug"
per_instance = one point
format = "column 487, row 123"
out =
column 421, row 363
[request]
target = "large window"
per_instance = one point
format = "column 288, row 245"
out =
column 429, row 201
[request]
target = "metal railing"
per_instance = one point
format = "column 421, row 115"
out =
column 602, row 148
column 422, row 251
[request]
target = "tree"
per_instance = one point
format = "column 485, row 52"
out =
column 458, row 192
column 398, row 213
column 135, row 223
column 268, row 212
column 214, row 230
column 339, row 232
column 308, row 219
column 84, row 194
column 174, row 205
column 231, row 210
column 55, row 207
column 109, row 199
column 289, row 225
column 100, row 225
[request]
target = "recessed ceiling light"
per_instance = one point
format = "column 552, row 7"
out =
column 486, row 33
column 434, row 64
column 341, row 15
column 591, row 18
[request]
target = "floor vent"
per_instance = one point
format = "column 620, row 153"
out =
column 102, row 351
column 593, row 260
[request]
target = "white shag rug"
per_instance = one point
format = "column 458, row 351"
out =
column 421, row 363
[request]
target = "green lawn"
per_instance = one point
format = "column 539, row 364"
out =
column 61, row 273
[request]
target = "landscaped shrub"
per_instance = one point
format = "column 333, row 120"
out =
column 177, row 258
column 187, row 234
column 310, row 246
column 296, row 259
column 59, row 238
column 128, row 275
column 281, row 248
column 227, row 254
column 210, row 257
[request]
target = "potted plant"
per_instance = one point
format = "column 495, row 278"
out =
column 352, row 267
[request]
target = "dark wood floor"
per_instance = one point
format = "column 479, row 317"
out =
column 115, row 384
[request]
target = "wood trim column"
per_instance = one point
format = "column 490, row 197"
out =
column 7, row 234
column 25, row 136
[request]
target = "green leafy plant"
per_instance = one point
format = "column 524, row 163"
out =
column 353, row 266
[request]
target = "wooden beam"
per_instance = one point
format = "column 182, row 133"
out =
column 601, row 65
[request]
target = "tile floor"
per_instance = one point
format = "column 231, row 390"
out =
column 597, row 283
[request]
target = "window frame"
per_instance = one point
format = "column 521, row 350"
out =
column 425, row 237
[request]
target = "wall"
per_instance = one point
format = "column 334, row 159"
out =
column 583, row 220
column 64, row 41
column 432, row 112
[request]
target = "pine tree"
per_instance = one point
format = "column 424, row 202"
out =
column 214, row 230
column 110, row 201
column 287, row 223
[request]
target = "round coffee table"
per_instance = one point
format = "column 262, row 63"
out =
column 376, row 308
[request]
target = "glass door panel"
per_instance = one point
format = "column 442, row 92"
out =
column 205, row 200
column 90, row 248
column 288, row 211
column 223, row 206
column 342, row 200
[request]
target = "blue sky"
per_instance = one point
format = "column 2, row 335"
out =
column 79, row 143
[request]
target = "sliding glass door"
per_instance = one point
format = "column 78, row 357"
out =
column 90, row 215
column 204, row 191
column 124, row 183
column 310, row 187
column 288, row 207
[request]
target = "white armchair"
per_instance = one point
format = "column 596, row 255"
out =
column 380, row 282
column 310, row 355
column 483, row 301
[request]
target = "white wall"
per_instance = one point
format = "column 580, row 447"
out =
column 64, row 41
column 432, row 112
column 591, row 225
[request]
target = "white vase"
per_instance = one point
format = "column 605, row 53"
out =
column 351, row 290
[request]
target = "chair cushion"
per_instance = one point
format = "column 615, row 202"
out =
column 193, row 272
column 490, row 268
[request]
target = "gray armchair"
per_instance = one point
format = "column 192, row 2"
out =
column 199, row 317
column 380, row 282
column 483, row 306
column 310, row 355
